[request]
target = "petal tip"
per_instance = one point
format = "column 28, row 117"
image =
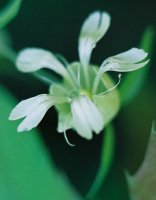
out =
column 22, row 129
column 11, row 117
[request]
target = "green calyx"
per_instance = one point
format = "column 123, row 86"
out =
column 108, row 103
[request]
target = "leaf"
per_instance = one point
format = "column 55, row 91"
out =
column 6, row 50
column 27, row 171
column 134, row 81
column 107, row 154
column 9, row 12
column 142, row 183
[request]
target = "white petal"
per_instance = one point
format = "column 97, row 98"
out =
column 80, row 122
column 121, row 67
column 34, row 118
column 33, row 59
column 27, row 106
column 92, row 114
column 86, row 117
column 86, row 46
column 133, row 55
column 93, row 29
column 124, row 62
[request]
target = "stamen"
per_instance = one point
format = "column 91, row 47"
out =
column 73, row 77
column 98, row 77
column 103, row 93
column 65, row 135
column 70, row 72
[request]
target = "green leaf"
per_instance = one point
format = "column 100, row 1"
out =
column 27, row 171
column 107, row 154
column 6, row 50
column 134, row 81
column 9, row 12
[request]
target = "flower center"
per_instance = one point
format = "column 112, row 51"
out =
column 86, row 93
column 73, row 94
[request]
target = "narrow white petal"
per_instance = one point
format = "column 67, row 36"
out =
column 25, row 107
column 80, row 122
column 133, row 55
column 34, row 118
column 93, row 29
column 92, row 114
column 33, row 59
column 86, row 46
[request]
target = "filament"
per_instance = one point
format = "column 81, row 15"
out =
column 65, row 135
column 66, row 138
column 103, row 93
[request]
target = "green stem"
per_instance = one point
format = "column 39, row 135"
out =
column 107, row 154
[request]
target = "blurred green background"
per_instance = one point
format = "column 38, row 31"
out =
column 55, row 25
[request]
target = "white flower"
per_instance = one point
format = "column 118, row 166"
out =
column 86, row 98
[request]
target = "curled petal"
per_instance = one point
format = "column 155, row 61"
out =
column 124, row 62
column 124, row 67
column 133, row 55
column 33, row 59
column 92, row 31
column 86, row 117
